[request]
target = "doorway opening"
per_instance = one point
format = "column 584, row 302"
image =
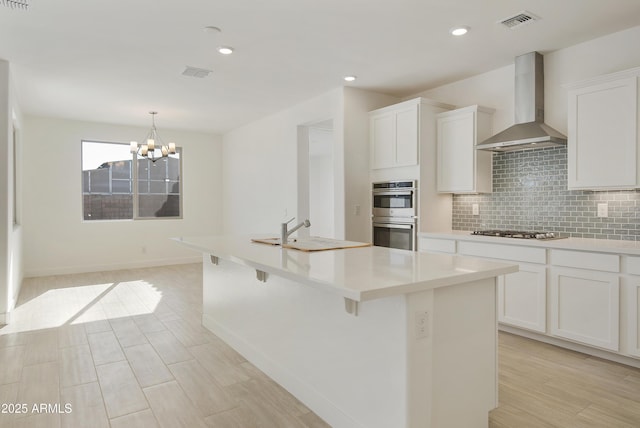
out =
column 316, row 177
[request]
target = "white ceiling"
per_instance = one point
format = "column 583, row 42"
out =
column 114, row 61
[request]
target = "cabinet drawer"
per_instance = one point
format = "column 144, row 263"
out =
column 438, row 245
column 584, row 260
column 633, row 265
column 505, row 252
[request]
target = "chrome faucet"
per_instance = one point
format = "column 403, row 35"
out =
column 284, row 233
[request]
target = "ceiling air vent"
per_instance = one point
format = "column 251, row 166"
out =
column 517, row 21
column 20, row 4
column 196, row 72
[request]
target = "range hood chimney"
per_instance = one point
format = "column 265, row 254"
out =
column 529, row 131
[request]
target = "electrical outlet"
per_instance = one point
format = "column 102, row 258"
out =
column 422, row 324
column 475, row 209
column 356, row 210
column 603, row 210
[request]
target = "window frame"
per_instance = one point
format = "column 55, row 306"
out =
column 134, row 185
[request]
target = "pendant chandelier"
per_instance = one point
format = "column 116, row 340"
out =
column 153, row 143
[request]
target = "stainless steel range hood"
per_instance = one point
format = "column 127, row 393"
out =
column 530, row 131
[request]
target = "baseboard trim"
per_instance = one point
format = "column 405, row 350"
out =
column 600, row 353
column 304, row 392
column 66, row 270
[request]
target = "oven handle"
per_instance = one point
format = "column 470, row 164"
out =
column 391, row 193
column 394, row 225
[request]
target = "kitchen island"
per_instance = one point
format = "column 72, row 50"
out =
column 365, row 337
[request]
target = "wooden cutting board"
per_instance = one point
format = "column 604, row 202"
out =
column 269, row 241
column 323, row 244
column 314, row 243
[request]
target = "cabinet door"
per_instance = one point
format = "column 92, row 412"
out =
column 633, row 315
column 383, row 130
column 585, row 306
column 407, row 137
column 456, row 153
column 522, row 298
column 602, row 141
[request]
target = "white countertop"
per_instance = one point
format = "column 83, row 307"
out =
column 355, row 273
column 581, row 244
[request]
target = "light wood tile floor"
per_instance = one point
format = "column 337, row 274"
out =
column 543, row 386
column 126, row 349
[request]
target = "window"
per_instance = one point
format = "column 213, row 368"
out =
column 114, row 190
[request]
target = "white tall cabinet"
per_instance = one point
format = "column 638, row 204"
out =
column 603, row 130
column 403, row 146
column 462, row 168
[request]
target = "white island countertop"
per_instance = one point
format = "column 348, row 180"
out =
column 358, row 274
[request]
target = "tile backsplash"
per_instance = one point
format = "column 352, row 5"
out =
column 530, row 193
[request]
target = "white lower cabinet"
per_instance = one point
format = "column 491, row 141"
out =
column 633, row 315
column 522, row 298
column 585, row 297
column 632, row 289
column 437, row 245
column 585, row 306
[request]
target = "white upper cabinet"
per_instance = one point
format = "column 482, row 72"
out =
column 461, row 168
column 602, row 130
column 394, row 136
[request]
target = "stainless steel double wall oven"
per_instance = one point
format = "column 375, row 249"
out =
column 395, row 214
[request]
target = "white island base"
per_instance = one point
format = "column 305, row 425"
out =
column 426, row 358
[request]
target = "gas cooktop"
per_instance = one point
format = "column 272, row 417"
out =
column 518, row 234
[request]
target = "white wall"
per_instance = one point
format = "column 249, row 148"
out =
column 260, row 165
column 57, row 240
column 11, row 270
column 260, row 171
column 495, row 89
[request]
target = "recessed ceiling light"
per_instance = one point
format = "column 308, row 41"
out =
column 212, row 30
column 350, row 78
column 459, row 31
column 225, row 50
